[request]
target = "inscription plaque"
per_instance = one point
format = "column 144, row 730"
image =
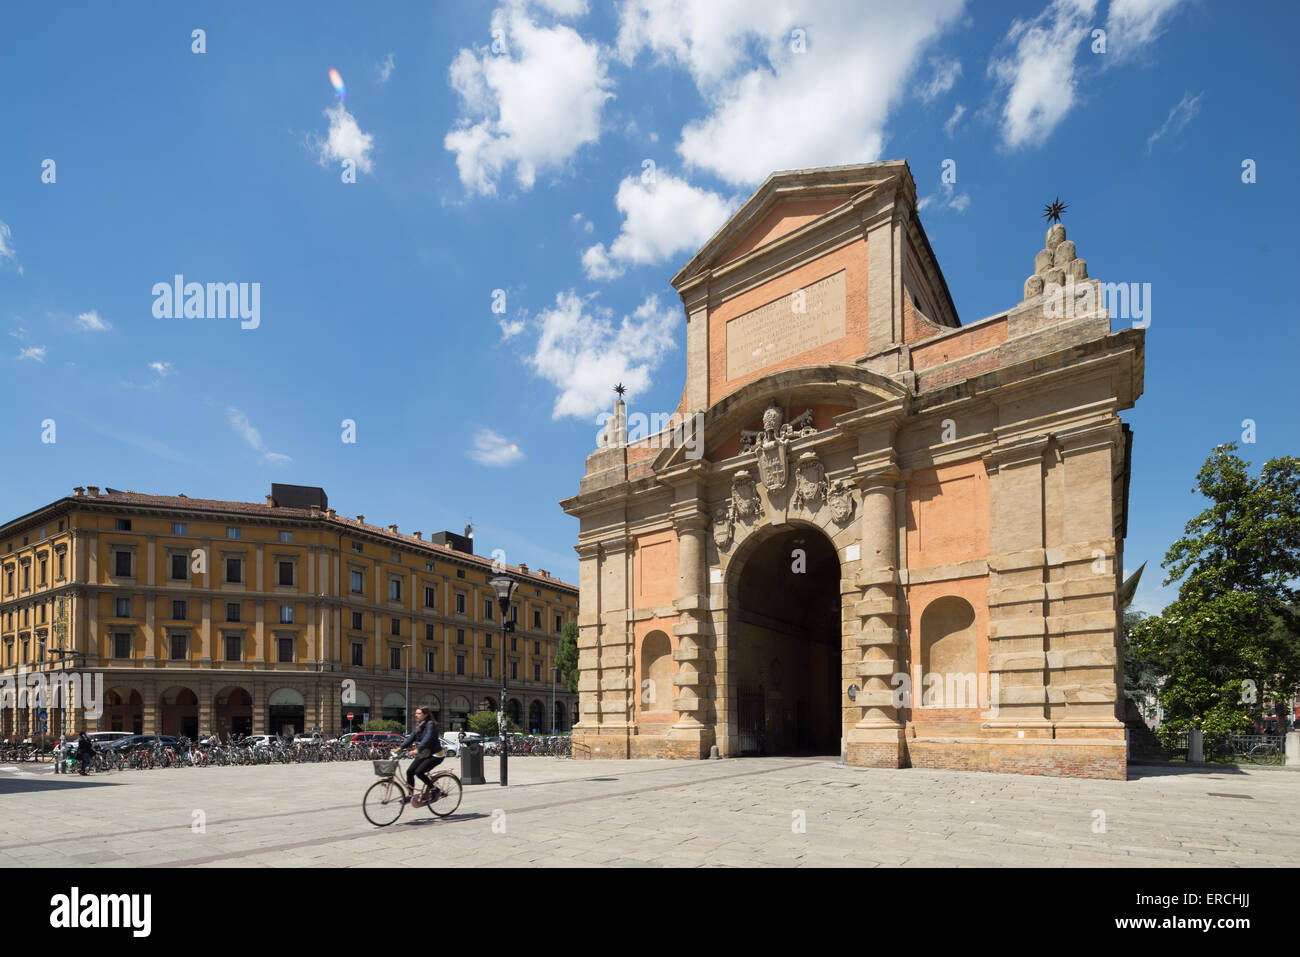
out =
column 777, row 331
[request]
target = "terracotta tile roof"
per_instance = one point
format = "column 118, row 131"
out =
column 303, row 514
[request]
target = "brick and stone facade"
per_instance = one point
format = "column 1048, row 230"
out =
column 871, row 528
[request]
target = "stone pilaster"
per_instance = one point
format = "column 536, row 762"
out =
column 876, row 740
column 692, row 734
column 1017, row 589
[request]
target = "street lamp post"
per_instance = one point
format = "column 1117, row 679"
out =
column 505, row 589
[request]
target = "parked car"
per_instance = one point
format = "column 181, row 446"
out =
column 380, row 738
column 133, row 741
column 451, row 742
column 102, row 738
column 260, row 740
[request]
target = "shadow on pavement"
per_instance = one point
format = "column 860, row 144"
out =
column 13, row 785
column 1179, row 769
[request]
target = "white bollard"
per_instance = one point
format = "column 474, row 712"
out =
column 1195, row 747
column 1293, row 749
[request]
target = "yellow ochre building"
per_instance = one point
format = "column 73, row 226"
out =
column 207, row 615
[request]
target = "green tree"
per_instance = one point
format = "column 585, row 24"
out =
column 1142, row 668
column 1229, row 640
column 485, row 723
column 384, row 726
column 566, row 656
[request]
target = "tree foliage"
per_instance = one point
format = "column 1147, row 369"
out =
column 1231, row 639
column 566, row 656
column 485, row 723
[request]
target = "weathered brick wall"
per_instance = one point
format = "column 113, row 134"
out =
column 1107, row 761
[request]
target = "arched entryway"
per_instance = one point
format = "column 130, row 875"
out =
column 124, row 711
column 536, row 717
column 394, row 708
column 459, row 718
column 286, row 712
column 514, row 711
column 784, row 644
column 559, row 726
column 232, row 711
column 179, row 710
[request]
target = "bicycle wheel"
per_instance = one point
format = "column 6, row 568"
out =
column 384, row 802
column 446, row 788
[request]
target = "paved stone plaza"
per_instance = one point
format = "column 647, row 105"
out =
column 656, row 813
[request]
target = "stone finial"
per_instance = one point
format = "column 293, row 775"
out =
column 1057, row 260
column 1055, row 236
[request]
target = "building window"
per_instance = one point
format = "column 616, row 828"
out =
column 178, row 643
column 232, row 533
column 122, row 606
column 514, row 613
column 487, row 609
column 124, row 525
column 537, row 671
column 430, row 662
column 9, row 581
column 358, row 582
column 487, row 638
column 514, row 643
column 286, row 614
column 460, row 664
column 121, row 644
column 559, row 625
column 428, row 566
column 460, row 603
column 394, row 589
column 234, row 570
column 286, row 537
column 179, row 609
column 286, row 649
column 121, row 566
column 234, row 651
column 430, row 593
column 537, row 647
column 44, row 567
column 460, row 573
column 178, row 528
column 356, row 621
column 396, row 627
column 395, row 658
column 61, row 558
column 514, row 670
column 27, row 575
column 487, row 667
column 429, row 632
column 358, row 654
column 357, row 547
column 178, row 568
column 460, row 636
column 286, row 573
column 537, row 621
column 234, row 611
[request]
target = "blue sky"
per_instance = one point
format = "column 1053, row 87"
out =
column 507, row 147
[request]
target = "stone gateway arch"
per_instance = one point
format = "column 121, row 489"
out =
column 868, row 529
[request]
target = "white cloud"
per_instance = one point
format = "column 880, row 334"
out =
column 584, row 353
column 386, row 68
column 946, row 198
column 33, row 352
column 1132, row 24
column 511, row 328
column 662, row 217
column 249, row 434
column 92, row 322
column 1039, row 74
column 163, row 369
column 786, row 109
column 345, row 141
column 489, row 448
column 945, row 76
column 586, row 224
column 530, row 106
column 6, row 242
column 1184, row 112
column 952, row 121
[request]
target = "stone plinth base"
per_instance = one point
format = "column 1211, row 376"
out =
column 601, row 744
column 875, row 748
column 1071, row 758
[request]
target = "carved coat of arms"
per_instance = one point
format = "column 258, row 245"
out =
column 809, row 481
column 771, row 443
column 722, row 527
column 744, row 495
column 840, row 499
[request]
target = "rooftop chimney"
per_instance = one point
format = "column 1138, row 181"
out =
column 330, row 512
column 523, row 567
column 315, row 510
column 544, row 573
column 93, row 490
column 417, row 535
column 270, row 500
column 361, row 519
column 78, row 492
column 393, row 529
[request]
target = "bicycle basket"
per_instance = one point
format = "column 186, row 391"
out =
column 385, row 769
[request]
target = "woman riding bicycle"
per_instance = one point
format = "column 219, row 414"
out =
column 424, row 739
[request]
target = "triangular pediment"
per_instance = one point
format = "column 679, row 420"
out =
column 787, row 202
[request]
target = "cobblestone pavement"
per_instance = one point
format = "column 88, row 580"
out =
column 757, row 811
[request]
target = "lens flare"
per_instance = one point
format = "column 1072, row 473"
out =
column 336, row 81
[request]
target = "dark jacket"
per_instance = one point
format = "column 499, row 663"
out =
column 85, row 747
column 425, row 737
